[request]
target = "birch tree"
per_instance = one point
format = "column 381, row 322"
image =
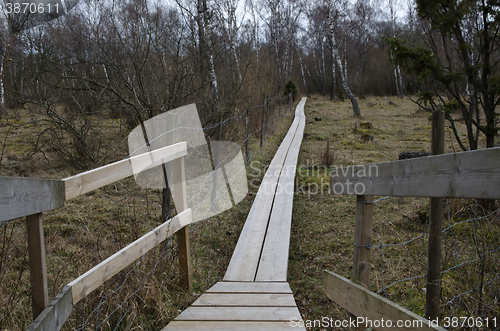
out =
column 397, row 70
column 332, row 16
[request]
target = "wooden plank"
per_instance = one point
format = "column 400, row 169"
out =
column 472, row 174
column 96, row 276
column 20, row 197
column 236, row 326
column 38, row 268
column 271, row 314
column 245, row 259
column 96, row 178
column 250, row 287
column 274, row 257
column 245, row 300
column 372, row 307
column 57, row 312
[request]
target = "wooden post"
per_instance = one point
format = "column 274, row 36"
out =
column 268, row 119
column 216, row 159
column 247, row 138
column 262, row 121
column 38, row 269
column 436, row 210
column 362, row 242
column 183, row 244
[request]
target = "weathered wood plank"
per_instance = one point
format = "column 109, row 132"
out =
column 473, row 174
column 245, row 259
column 273, row 262
column 250, row 287
column 245, row 300
column 236, row 326
column 271, row 314
column 38, row 268
column 20, row 197
column 96, row 276
column 363, row 303
column 57, row 312
column 96, row 178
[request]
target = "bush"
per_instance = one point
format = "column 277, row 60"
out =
column 290, row 87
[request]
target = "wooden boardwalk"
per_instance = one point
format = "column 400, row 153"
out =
column 254, row 294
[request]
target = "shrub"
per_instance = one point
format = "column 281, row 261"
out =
column 290, row 87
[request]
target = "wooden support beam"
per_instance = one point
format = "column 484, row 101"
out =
column 38, row 269
column 247, row 137
column 184, row 247
column 435, row 226
column 362, row 242
column 262, row 120
column 183, row 244
column 96, row 276
column 370, row 308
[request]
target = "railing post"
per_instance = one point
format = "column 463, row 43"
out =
column 38, row 269
column 183, row 244
column 268, row 124
column 362, row 242
column 433, row 288
column 247, row 138
column 262, row 121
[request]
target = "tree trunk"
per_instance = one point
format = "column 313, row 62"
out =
column 334, row 78
column 303, row 76
column 343, row 78
column 2, row 89
column 204, row 26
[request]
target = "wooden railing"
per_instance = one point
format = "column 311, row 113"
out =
column 30, row 197
column 473, row 174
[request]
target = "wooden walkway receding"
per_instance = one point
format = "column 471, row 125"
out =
column 254, row 294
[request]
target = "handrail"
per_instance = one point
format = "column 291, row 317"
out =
column 21, row 197
column 56, row 313
column 96, row 178
column 96, row 276
column 30, row 197
column 472, row 174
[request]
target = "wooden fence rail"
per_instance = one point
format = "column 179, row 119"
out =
column 472, row 174
column 371, row 309
column 21, row 197
column 53, row 317
column 29, row 197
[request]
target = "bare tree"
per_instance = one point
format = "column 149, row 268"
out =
column 332, row 16
column 397, row 70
